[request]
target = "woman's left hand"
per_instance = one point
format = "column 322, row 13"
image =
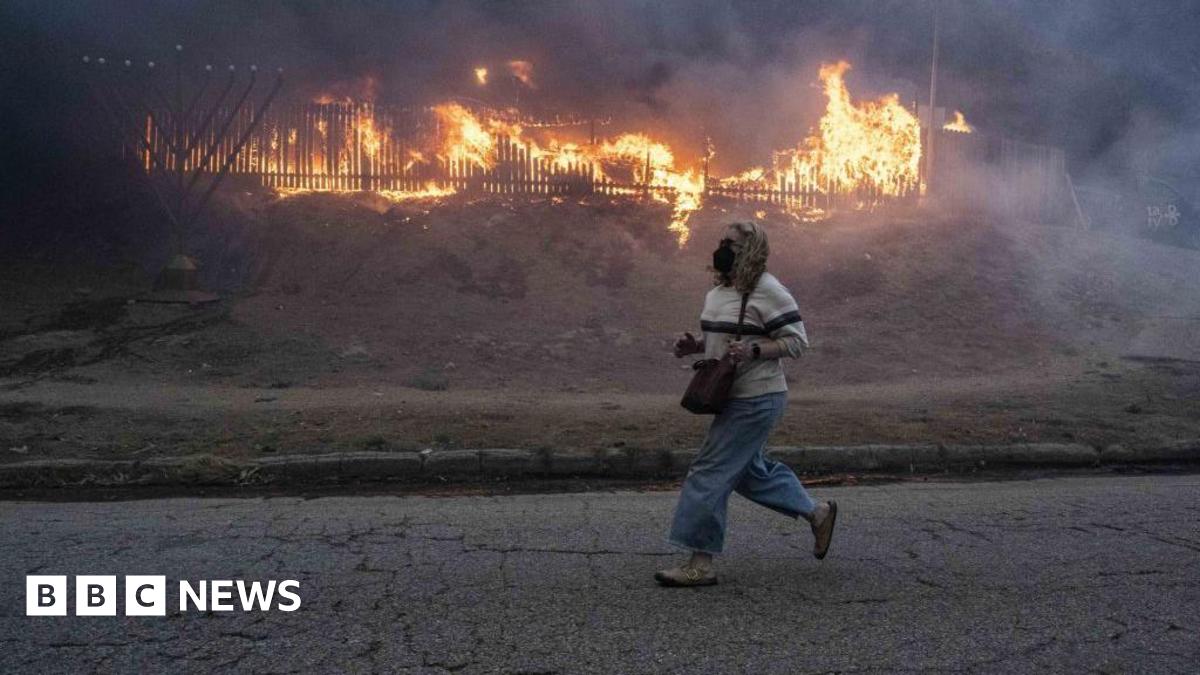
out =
column 738, row 351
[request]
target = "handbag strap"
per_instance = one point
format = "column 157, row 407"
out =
column 741, row 316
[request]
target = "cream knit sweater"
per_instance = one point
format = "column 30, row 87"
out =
column 771, row 314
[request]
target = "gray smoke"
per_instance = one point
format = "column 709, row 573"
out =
column 1113, row 83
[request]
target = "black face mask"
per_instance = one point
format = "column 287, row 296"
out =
column 723, row 257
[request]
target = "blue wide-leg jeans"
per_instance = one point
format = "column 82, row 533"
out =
column 732, row 460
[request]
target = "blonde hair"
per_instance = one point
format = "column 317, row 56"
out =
column 750, row 262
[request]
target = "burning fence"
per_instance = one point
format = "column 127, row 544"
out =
column 860, row 154
column 868, row 152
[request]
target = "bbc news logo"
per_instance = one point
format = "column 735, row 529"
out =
column 146, row 595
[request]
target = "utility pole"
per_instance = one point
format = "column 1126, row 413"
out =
column 932, row 130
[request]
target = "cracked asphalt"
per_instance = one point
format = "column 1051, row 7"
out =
column 1067, row 573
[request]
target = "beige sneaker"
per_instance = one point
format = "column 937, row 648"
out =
column 823, row 533
column 687, row 574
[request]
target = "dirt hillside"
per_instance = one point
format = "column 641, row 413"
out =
column 352, row 322
column 589, row 295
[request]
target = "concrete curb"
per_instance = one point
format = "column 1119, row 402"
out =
column 443, row 465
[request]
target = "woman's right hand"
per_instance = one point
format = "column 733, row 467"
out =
column 686, row 345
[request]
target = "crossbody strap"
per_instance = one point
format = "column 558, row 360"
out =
column 742, row 316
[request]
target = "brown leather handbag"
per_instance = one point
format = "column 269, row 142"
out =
column 708, row 391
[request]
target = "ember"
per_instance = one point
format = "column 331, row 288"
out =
column 523, row 71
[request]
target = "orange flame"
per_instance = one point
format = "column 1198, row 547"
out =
column 414, row 157
column 959, row 124
column 875, row 144
column 754, row 177
column 646, row 162
column 856, row 144
column 654, row 164
column 327, row 98
column 318, row 152
column 372, row 138
column 429, row 191
column 465, row 137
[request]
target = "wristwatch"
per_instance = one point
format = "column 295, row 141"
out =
column 756, row 351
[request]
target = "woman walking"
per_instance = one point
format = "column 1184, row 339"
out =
column 732, row 457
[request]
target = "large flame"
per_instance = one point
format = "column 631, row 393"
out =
column 465, row 136
column 876, row 144
column 866, row 149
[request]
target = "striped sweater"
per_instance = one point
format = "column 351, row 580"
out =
column 771, row 314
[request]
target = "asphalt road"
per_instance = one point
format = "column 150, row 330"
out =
column 1073, row 574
